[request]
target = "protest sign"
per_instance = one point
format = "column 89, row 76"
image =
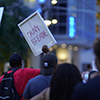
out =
column 1, row 13
column 36, row 33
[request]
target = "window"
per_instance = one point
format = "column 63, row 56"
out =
column 98, row 2
column 98, row 15
column 97, row 28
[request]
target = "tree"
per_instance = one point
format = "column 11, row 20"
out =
column 11, row 39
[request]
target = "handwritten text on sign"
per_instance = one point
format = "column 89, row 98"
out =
column 38, row 38
column 36, row 33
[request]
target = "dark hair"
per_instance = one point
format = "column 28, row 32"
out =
column 15, row 60
column 15, row 63
column 97, row 48
column 63, row 81
column 89, row 66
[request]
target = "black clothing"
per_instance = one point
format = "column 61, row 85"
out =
column 87, row 91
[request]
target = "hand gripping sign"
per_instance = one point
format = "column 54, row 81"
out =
column 36, row 33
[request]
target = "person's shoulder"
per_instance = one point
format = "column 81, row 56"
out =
column 95, row 78
column 35, row 79
column 94, row 81
column 79, row 85
column 43, row 77
column 38, row 78
column 46, row 75
column 27, row 73
column 28, row 70
column 91, row 83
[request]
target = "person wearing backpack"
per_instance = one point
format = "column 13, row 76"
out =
column 20, row 76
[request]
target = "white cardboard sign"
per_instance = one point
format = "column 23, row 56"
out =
column 36, row 33
column 1, row 13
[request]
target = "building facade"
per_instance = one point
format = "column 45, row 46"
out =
column 74, row 32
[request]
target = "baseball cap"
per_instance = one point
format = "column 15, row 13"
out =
column 16, row 56
column 48, row 63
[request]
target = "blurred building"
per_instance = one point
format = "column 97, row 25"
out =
column 73, row 26
column 98, row 18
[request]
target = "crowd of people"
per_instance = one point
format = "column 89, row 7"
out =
column 53, row 81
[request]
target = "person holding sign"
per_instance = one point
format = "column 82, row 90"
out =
column 42, row 81
column 21, row 75
column 36, row 33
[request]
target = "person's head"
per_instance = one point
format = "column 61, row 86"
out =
column 63, row 81
column 49, row 63
column 89, row 67
column 97, row 53
column 15, row 60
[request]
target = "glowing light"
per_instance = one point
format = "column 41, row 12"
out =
column 53, row 2
column 71, row 27
column 51, row 49
column 63, row 45
column 32, row 0
column 75, row 48
column 40, row 10
column 62, row 54
column 41, row 1
column 54, row 21
column 55, row 46
column 70, row 47
column 47, row 22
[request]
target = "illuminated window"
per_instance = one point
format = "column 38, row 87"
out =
column 98, row 15
column 98, row 2
column 97, row 28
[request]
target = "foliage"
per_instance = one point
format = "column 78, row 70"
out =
column 11, row 39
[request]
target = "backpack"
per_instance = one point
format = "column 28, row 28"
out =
column 7, row 88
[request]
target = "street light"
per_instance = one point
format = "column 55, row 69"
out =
column 47, row 22
column 54, row 21
column 53, row 2
column 62, row 53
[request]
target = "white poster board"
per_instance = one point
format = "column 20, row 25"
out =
column 36, row 33
column 1, row 13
